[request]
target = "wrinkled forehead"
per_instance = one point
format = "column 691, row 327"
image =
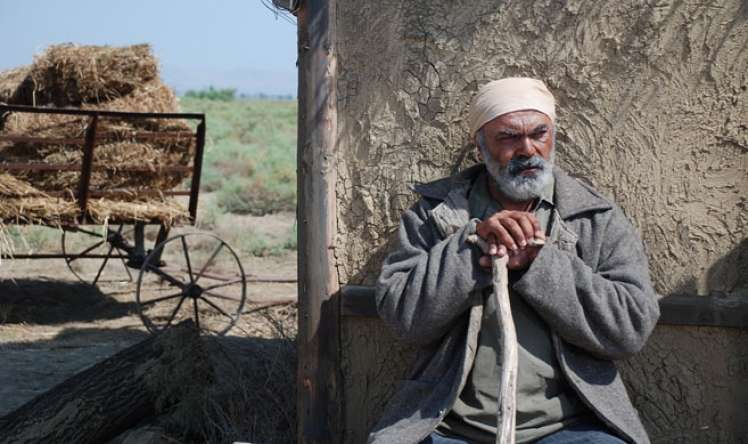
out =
column 523, row 121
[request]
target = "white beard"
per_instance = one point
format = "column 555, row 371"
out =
column 516, row 187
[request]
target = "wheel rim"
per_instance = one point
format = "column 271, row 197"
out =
column 82, row 249
column 194, row 276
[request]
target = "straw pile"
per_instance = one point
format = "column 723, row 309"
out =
column 10, row 82
column 125, row 157
column 70, row 75
column 24, row 204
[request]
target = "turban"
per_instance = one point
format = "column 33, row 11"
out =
column 504, row 96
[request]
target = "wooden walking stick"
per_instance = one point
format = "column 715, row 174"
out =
column 508, row 339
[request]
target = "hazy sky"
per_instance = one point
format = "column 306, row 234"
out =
column 224, row 43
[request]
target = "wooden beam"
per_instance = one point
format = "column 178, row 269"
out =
column 114, row 395
column 318, row 342
column 708, row 311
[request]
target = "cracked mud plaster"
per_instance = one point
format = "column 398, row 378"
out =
column 653, row 111
column 690, row 384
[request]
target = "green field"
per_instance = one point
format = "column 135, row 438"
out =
column 249, row 168
column 250, row 157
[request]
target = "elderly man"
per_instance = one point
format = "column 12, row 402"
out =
column 579, row 302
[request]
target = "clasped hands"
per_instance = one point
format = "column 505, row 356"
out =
column 513, row 233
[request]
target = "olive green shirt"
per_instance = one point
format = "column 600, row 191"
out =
column 545, row 402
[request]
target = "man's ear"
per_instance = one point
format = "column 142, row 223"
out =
column 479, row 154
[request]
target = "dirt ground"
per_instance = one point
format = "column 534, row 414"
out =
column 52, row 325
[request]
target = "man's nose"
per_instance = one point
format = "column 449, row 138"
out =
column 526, row 148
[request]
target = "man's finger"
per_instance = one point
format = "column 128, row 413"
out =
column 514, row 230
column 492, row 249
column 536, row 226
column 504, row 238
column 525, row 221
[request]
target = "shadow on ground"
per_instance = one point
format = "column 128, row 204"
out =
column 49, row 302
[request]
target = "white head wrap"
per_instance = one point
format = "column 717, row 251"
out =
column 504, row 96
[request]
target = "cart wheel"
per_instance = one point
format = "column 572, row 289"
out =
column 92, row 255
column 193, row 275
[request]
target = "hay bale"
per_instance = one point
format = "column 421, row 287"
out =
column 38, row 210
column 70, row 75
column 149, row 160
column 150, row 97
column 45, row 125
column 46, row 210
column 11, row 81
column 13, row 187
column 92, row 77
column 167, row 211
column 115, row 149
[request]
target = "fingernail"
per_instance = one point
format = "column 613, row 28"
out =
column 523, row 244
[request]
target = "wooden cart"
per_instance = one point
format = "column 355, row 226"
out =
column 193, row 275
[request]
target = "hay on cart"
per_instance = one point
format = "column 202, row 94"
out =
column 10, row 83
column 134, row 155
column 71, row 75
column 21, row 203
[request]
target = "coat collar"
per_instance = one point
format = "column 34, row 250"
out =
column 571, row 196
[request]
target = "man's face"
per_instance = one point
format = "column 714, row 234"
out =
column 518, row 151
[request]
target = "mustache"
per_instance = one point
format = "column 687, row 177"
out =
column 517, row 165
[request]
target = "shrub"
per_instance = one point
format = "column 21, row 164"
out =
column 222, row 95
column 256, row 196
column 250, row 158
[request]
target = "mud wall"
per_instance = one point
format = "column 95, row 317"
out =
column 653, row 112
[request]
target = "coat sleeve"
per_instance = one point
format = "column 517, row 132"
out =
column 426, row 283
column 609, row 311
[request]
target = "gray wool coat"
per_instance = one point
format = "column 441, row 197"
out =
column 590, row 283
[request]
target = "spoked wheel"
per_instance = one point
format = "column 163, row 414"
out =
column 93, row 256
column 195, row 276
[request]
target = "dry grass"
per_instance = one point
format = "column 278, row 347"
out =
column 14, row 187
column 93, row 77
column 37, row 210
column 252, row 395
column 71, row 75
column 57, row 211
column 10, row 81
column 167, row 211
column 119, row 148
column 150, row 97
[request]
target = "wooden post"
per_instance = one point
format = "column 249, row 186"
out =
column 318, row 382
column 86, row 166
